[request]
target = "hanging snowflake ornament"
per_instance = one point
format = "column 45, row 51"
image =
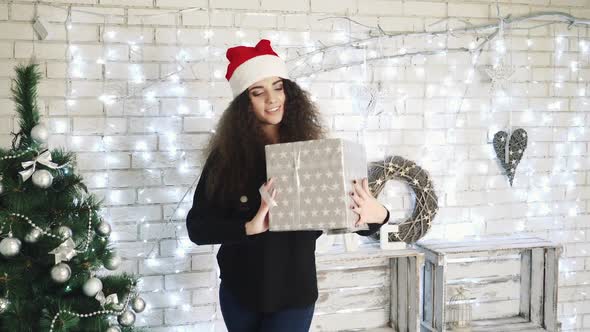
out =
column 500, row 76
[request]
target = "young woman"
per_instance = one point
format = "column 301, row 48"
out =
column 268, row 279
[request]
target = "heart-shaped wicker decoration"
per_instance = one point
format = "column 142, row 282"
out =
column 516, row 146
column 426, row 206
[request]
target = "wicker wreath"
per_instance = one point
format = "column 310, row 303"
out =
column 426, row 206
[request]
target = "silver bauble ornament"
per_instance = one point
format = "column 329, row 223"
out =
column 40, row 134
column 61, row 273
column 138, row 304
column 127, row 318
column 42, row 178
column 103, row 228
column 10, row 246
column 113, row 263
column 92, row 286
column 113, row 329
column 4, row 303
column 1, row 187
column 64, row 232
column 33, row 236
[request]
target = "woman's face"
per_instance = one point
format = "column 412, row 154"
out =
column 268, row 100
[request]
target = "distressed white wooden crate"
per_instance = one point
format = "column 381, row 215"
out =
column 514, row 281
column 368, row 289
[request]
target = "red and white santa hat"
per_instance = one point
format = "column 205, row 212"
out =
column 247, row 65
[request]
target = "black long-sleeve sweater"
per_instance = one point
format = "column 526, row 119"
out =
column 267, row 272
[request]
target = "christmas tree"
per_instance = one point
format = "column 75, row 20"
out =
column 53, row 239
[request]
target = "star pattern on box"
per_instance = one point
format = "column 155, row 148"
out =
column 321, row 199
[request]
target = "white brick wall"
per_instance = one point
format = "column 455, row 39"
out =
column 142, row 157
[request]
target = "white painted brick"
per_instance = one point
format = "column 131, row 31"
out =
column 20, row 12
column 136, row 213
column 127, row 34
column 183, row 142
column 94, row 161
column 146, row 71
column 180, row 176
column 183, row 246
column 150, row 317
column 124, row 233
column 164, row 266
column 183, row 281
column 229, row 4
column 92, row 125
column 205, row 296
column 117, row 196
column 151, row 283
column 197, row 18
column 152, row 231
column 4, row 11
column 340, row 7
column 134, row 178
column 285, row 5
column 401, row 23
column 164, row 159
column 78, row 33
column 155, row 125
column 86, row 71
column 254, row 20
column 86, row 89
column 160, row 195
column 94, row 52
column 221, row 19
column 195, row 314
column 89, row 15
column 469, row 10
column 163, row 299
column 130, row 143
column 46, row 51
column 182, row 4
column 203, row 262
column 198, row 124
column 436, row 9
column 6, row 49
column 133, row 249
column 79, row 107
column 184, row 37
column 16, row 31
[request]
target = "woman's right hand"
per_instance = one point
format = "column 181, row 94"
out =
column 259, row 224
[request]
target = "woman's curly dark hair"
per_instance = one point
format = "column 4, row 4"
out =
column 236, row 149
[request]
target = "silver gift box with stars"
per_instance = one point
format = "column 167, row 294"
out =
column 313, row 180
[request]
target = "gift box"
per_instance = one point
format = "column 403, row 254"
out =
column 313, row 180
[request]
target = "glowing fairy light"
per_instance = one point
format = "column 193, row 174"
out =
column 182, row 109
column 174, row 78
column 150, row 96
column 107, row 99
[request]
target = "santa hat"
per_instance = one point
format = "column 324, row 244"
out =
column 248, row 65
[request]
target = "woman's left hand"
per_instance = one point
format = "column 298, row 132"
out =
column 370, row 211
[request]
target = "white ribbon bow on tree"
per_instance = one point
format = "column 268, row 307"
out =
column 112, row 299
column 44, row 159
column 65, row 251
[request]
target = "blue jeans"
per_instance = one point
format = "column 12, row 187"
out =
column 240, row 319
